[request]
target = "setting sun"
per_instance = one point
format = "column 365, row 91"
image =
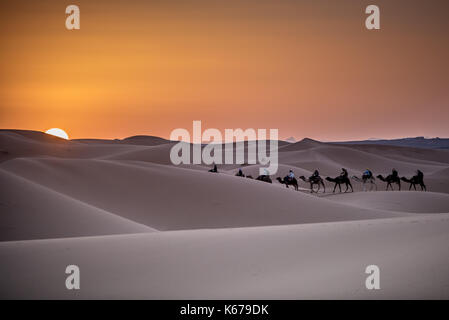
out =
column 58, row 133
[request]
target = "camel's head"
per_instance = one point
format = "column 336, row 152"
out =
column 380, row 176
column 329, row 179
column 279, row 179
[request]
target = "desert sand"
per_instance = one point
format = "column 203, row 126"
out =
column 140, row 227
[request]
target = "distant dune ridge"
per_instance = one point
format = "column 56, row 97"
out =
column 140, row 227
column 418, row 142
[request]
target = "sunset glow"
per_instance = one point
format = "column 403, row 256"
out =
column 309, row 68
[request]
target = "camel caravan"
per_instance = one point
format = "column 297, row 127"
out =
column 316, row 182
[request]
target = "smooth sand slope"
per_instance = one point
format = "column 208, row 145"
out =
column 405, row 201
column 326, row 260
column 168, row 198
column 139, row 227
column 31, row 211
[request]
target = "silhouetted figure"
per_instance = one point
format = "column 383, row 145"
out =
column 240, row 173
column 289, row 181
column 264, row 178
column 418, row 179
column 317, row 180
column 215, row 169
column 394, row 173
column 290, row 175
column 419, row 174
column 390, row 179
column 315, row 176
column 341, row 179
column 367, row 175
column 344, row 173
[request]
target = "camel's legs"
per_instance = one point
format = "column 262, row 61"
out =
column 324, row 187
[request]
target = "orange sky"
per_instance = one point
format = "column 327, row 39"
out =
column 308, row 68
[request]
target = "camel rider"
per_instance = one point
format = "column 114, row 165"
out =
column 266, row 174
column 419, row 174
column 394, row 173
column 367, row 174
column 344, row 173
column 315, row 175
column 291, row 175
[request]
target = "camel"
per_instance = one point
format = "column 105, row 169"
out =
column 339, row 181
column 318, row 181
column 390, row 179
column 415, row 180
column 365, row 181
column 292, row 182
column 264, row 178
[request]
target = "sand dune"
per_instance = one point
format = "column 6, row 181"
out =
column 134, row 140
column 140, row 227
column 405, row 201
column 167, row 198
column 318, row 261
column 31, row 211
column 18, row 145
column 330, row 160
column 407, row 153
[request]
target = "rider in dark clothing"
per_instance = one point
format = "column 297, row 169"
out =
column 315, row 175
column 344, row 173
column 394, row 173
column 419, row 174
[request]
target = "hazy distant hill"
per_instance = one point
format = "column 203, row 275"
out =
column 418, row 142
column 134, row 140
